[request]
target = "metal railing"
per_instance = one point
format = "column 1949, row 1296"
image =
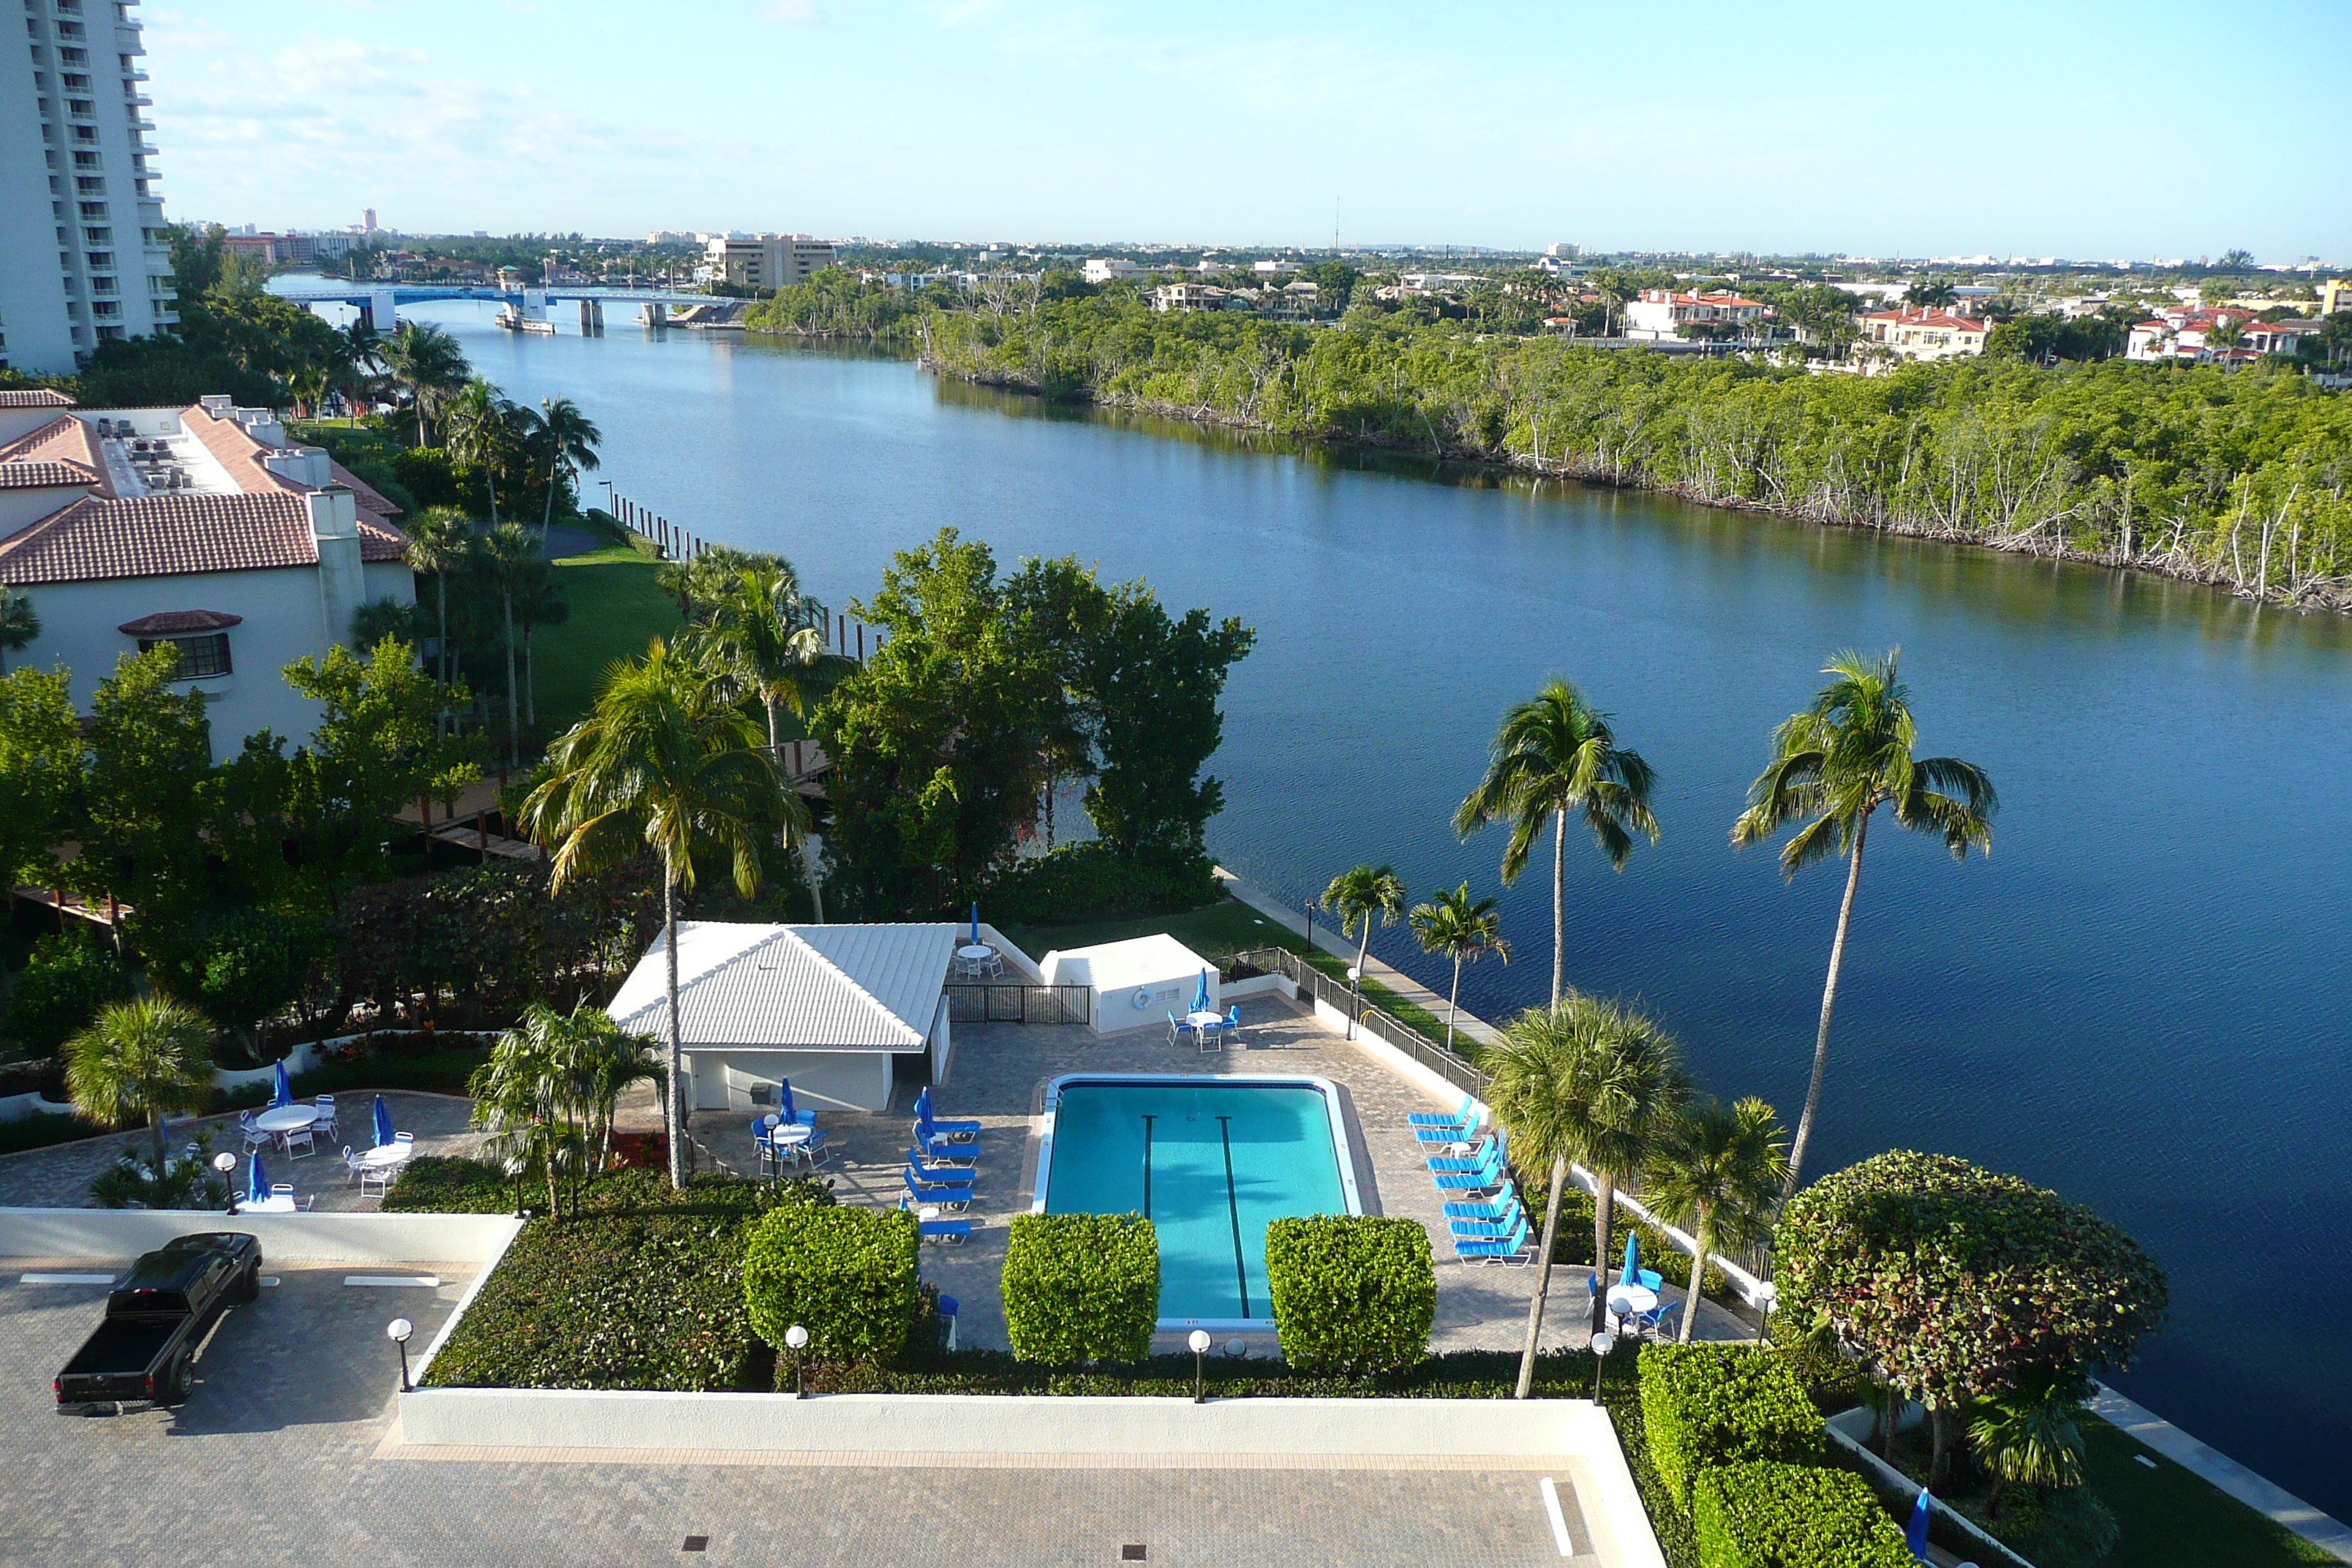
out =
column 1381, row 1025
column 1002, row 1001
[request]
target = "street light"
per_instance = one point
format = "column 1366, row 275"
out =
column 514, row 1174
column 1602, row 1343
column 1200, row 1343
column 1767, row 1295
column 796, row 1339
column 1355, row 997
column 224, row 1163
column 397, row 1332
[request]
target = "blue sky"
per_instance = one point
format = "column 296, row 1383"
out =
column 2095, row 129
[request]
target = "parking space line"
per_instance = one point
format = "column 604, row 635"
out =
column 65, row 1279
column 429, row 1281
column 1559, row 1519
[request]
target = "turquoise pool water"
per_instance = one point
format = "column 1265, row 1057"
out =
column 1210, row 1163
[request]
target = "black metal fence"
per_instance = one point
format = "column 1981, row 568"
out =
column 998, row 1002
column 1314, row 985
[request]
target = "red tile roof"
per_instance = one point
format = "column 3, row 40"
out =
column 37, row 397
column 42, row 475
column 179, row 623
column 62, row 440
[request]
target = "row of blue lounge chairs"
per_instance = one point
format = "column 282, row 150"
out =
column 942, row 1161
column 1488, row 1230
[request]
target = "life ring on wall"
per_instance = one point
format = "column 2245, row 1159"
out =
column 1142, row 997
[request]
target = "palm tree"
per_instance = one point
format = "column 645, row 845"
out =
column 1464, row 929
column 360, row 357
column 568, row 438
column 1717, row 1172
column 553, row 1080
column 483, row 433
column 145, row 1057
column 20, row 622
column 506, row 556
column 1359, row 897
column 425, row 360
column 1837, row 763
column 1555, row 754
column 2029, row 1434
column 439, row 544
column 537, row 602
column 1934, row 293
column 662, row 763
column 1587, row 1081
column 765, row 638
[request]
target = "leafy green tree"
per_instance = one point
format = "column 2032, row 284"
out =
column 1464, row 929
column 539, row 602
column 439, row 540
column 245, row 968
column 506, row 557
column 67, row 978
column 374, row 750
column 1717, row 1174
column 766, row 638
column 1837, row 763
column 20, row 622
column 1931, row 294
column 1953, row 1282
column 146, row 793
column 1585, row 1082
column 1554, row 754
column 146, row 1057
column 40, row 770
column 661, row 764
column 1361, row 896
column 485, row 438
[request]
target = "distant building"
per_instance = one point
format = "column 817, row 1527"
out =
column 1661, row 314
column 197, row 527
column 669, row 237
column 1925, row 334
column 1106, row 268
column 83, row 256
column 764, row 260
column 2185, row 333
column 2335, row 295
column 1181, row 297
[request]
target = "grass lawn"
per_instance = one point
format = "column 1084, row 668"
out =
column 2173, row 1519
column 615, row 611
column 1217, row 932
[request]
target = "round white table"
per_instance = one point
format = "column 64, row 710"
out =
column 277, row 1203
column 290, row 1117
column 1627, row 1299
column 1204, row 1020
column 385, row 1157
column 975, row 958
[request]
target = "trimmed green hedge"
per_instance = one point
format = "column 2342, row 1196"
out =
column 1092, row 881
column 644, row 1288
column 1351, row 1292
column 1081, row 1286
column 1766, row 1515
column 1707, row 1405
column 846, row 1275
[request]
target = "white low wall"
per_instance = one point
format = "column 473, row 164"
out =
column 1848, row 1430
column 1260, row 986
column 1018, row 965
column 285, row 1237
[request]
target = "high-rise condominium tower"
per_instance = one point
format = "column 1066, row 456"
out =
column 82, row 253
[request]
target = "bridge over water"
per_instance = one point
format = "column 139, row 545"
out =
column 379, row 303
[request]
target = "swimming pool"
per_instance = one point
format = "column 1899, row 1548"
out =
column 1209, row 1159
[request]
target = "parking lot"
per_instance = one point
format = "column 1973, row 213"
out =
column 281, row 1455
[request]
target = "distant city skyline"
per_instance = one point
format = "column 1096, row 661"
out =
column 1826, row 127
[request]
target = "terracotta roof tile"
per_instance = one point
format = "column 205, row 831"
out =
column 162, row 536
column 42, row 475
column 61, row 440
column 37, row 397
column 380, row 540
column 179, row 623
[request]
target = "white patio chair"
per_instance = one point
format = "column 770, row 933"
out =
column 255, row 1137
column 377, row 1176
column 353, row 1165
column 325, row 1106
column 301, row 1139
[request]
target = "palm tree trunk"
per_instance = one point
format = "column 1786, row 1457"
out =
column 155, row 1128
column 547, row 518
column 673, row 1113
column 1543, row 1278
column 529, row 680
column 441, row 619
column 514, row 740
column 1706, row 1239
column 554, row 1203
column 1604, row 1211
column 1828, row 1002
column 1454, row 1002
column 1559, row 903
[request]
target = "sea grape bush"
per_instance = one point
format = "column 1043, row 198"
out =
column 1081, row 1286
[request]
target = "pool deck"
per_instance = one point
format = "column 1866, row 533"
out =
column 998, row 1077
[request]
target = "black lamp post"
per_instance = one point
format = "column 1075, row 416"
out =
column 225, row 1163
column 1200, row 1343
column 797, row 1341
column 397, row 1332
column 1602, row 1343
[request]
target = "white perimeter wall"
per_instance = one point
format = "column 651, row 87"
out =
column 287, row 1238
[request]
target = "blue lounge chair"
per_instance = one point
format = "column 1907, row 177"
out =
column 954, row 1131
column 1510, row 1251
column 1462, row 1117
column 1490, row 1229
column 945, row 1153
column 924, row 1190
column 1495, row 1207
column 949, row 1231
column 955, row 1175
column 1491, row 1172
column 1491, row 1149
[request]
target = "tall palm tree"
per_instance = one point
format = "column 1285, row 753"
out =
column 766, row 638
column 440, row 543
column 1837, row 763
column 1464, row 929
column 507, row 556
column 1360, row 895
column 427, row 361
column 20, row 622
column 567, row 438
column 1555, row 754
column 539, row 602
column 484, row 432
column 361, row 359
column 145, row 1057
column 1583, row 1080
column 662, row 764
column 1717, row 1173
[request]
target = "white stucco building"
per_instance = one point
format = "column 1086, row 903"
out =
column 841, row 1011
column 198, row 527
column 1133, row 984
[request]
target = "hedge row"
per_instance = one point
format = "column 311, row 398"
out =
column 1351, row 1293
column 1081, row 1286
column 846, row 1275
column 1762, row 1514
column 1712, row 1404
column 1091, row 882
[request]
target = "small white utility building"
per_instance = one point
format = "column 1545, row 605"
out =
column 837, row 1009
column 1133, row 984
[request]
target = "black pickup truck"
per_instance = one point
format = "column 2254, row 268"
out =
column 156, row 1317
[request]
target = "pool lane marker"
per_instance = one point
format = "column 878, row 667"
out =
column 1147, row 1165
column 1234, row 1206
column 1559, row 1519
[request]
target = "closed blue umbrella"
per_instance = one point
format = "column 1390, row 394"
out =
column 283, row 1094
column 1632, row 1274
column 1201, row 997
column 784, row 1097
column 382, row 1123
column 976, row 923
column 257, row 1182
column 1916, row 1537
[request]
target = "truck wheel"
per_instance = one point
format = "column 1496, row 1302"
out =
column 249, row 1288
column 182, row 1378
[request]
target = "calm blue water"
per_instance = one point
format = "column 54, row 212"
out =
column 1209, row 1165
column 2141, row 1000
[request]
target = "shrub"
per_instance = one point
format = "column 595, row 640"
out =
column 2070, row 1529
column 1081, row 1286
column 847, row 1275
column 64, row 982
column 1091, row 882
column 1354, row 1293
column 1714, row 1405
column 436, row 1183
column 1766, row 1515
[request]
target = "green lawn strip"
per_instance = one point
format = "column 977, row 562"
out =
column 1218, row 931
column 2171, row 1516
column 616, row 609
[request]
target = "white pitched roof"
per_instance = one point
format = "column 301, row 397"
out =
column 1138, row 961
column 832, row 987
